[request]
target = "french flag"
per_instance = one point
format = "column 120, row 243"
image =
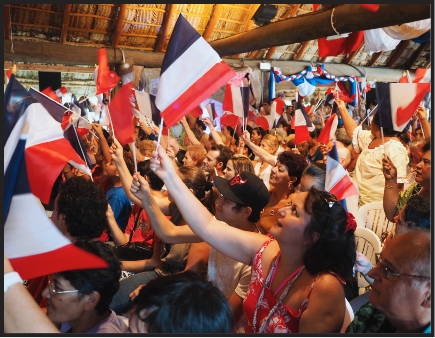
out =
column 422, row 75
column 397, row 102
column 47, row 150
column 302, row 125
column 190, row 73
column 236, row 100
column 120, row 111
column 328, row 131
column 32, row 243
column 148, row 112
column 337, row 180
column 211, row 111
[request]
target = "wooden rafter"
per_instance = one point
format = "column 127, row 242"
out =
column 118, row 26
column 249, row 23
column 374, row 59
column 49, row 68
column 289, row 14
column 65, row 23
column 7, row 26
column 217, row 11
column 318, row 25
column 302, row 50
column 170, row 10
column 354, row 53
column 398, row 52
column 254, row 54
column 417, row 53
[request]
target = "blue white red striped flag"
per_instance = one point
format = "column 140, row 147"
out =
column 337, row 180
column 47, row 150
column 236, row 100
column 328, row 131
column 397, row 102
column 190, row 73
column 32, row 243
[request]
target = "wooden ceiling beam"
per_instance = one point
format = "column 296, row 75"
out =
column 374, row 59
column 302, row 50
column 217, row 11
column 49, row 68
column 65, row 23
column 290, row 13
column 249, row 23
column 354, row 53
column 170, row 10
column 417, row 53
column 398, row 52
column 254, row 54
column 318, row 25
column 7, row 24
column 119, row 24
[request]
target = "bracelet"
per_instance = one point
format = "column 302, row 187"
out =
column 391, row 186
column 11, row 278
column 66, row 172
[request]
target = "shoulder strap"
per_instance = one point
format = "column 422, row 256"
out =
column 135, row 224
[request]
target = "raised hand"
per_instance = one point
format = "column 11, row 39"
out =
column 421, row 113
column 161, row 164
column 246, row 137
column 116, row 151
column 140, row 187
column 207, row 122
column 389, row 169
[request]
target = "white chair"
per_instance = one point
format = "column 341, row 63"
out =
column 372, row 216
column 348, row 317
column 367, row 243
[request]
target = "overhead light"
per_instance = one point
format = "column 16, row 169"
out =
column 264, row 14
column 265, row 65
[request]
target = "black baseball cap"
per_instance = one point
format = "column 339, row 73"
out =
column 246, row 189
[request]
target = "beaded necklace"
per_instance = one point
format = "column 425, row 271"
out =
column 281, row 298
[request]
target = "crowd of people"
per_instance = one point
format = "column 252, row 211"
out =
column 232, row 231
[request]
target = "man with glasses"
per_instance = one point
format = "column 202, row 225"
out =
column 400, row 301
column 78, row 300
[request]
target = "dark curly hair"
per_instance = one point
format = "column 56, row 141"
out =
column 184, row 303
column 295, row 164
column 84, row 205
column 334, row 250
column 104, row 281
column 144, row 169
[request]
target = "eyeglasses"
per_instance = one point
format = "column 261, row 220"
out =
column 387, row 272
column 52, row 287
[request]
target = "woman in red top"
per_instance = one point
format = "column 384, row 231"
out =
column 298, row 270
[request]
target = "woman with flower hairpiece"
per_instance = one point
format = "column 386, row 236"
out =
column 298, row 270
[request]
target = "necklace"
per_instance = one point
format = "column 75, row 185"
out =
column 272, row 212
column 279, row 301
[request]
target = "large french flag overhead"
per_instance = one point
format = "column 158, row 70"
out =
column 190, row 73
column 47, row 150
column 397, row 102
column 337, row 180
column 105, row 79
column 236, row 100
column 32, row 243
column 328, row 131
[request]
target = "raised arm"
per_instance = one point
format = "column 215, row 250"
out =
column 260, row 152
column 213, row 132
column 21, row 313
column 230, row 241
column 348, row 122
column 424, row 123
column 189, row 133
column 102, row 142
column 162, row 226
column 126, row 178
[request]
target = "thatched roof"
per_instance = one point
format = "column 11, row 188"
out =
column 148, row 28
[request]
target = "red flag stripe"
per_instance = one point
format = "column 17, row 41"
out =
column 343, row 188
column 51, row 156
column 54, row 261
column 208, row 84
